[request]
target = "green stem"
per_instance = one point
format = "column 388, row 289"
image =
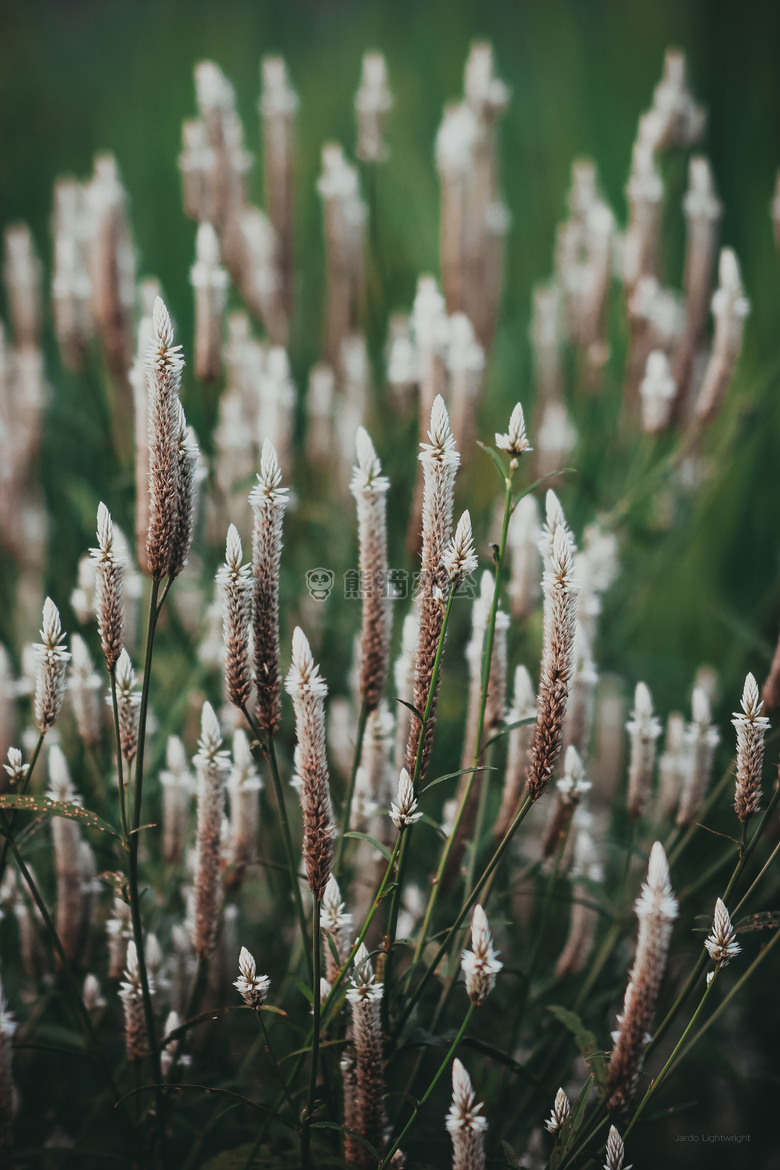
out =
column 316, row 949
column 135, row 900
column 274, row 1064
column 442, row 1067
column 395, row 904
column 196, row 986
column 361, row 731
column 281, row 806
column 487, row 655
column 469, row 902
column 119, row 760
column 657, row 1081
column 73, row 987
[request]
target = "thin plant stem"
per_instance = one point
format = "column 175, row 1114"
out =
column 135, row 899
column 750, row 889
column 273, row 1062
column 73, row 987
column 8, row 818
column 406, row 832
column 468, row 903
column 361, row 731
column 196, row 986
column 292, row 865
column 657, row 1081
column 316, row 949
column 734, row 990
column 487, row 655
column 442, row 1067
column 119, row 760
column 478, row 826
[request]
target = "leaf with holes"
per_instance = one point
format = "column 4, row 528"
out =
column 59, row 808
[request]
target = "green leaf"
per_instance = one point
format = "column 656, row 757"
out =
column 59, row 808
column 494, row 456
column 509, row 727
column 453, row 775
column 571, row 1126
column 372, row 841
column 412, row 708
column 593, row 1056
column 510, row 1155
column 352, row 1133
column 500, row 1057
column 538, row 483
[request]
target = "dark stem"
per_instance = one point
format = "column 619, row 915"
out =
column 361, row 730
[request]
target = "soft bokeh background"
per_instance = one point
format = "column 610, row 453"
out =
column 78, row 77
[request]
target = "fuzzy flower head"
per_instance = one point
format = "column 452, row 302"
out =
column 304, row 675
column 515, row 441
column 555, row 518
column 363, row 985
column 465, row 1110
column 252, row 988
column 335, row 916
column 480, row 964
column 656, row 897
column 403, row 812
column 210, row 740
column 573, row 783
column 15, row 767
column 751, row 727
column 615, row 1151
column 441, row 448
column 721, row 943
column 52, row 662
column 367, row 475
column 267, row 490
column 560, row 1111
column 460, row 557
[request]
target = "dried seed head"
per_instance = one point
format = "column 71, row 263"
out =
column 615, row 1151
column 187, row 457
column 560, row 1112
column 403, row 812
column 253, row 988
column 751, row 727
column 369, row 487
column 50, row 674
column 460, row 557
column 480, row 964
column 515, row 441
column 721, row 943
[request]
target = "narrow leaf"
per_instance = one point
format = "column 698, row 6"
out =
column 586, row 1042
column 58, row 808
column 494, row 456
column 571, row 1126
column 372, row 841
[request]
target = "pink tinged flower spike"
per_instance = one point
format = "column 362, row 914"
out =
column 307, row 689
column 560, row 1111
column 178, row 786
column 52, row 663
column 66, row 837
column 465, row 1123
column 370, row 487
column 656, row 909
column 730, row 308
column 702, row 738
column 109, row 587
column 439, row 461
column 85, row 686
column 252, row 988
column 460, row 558
column 128, row 699
column 751, row 727
column 554, row 519
column 187, row 457
column 164, row 365
column 403, row 812
column 520, row 738
column 560, row 620
column 268, row 501
column 336, row 924
column 373, row 102
column 235, row 586
column 365, row 1000
column 212, row 766
column 515, row 441
column 131, row 994
column 615, row 1151
column 644, row 729
column 721, row 943
column 480, row 965
column 244, row 790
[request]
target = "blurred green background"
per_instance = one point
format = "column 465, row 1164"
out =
column 79, row 77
